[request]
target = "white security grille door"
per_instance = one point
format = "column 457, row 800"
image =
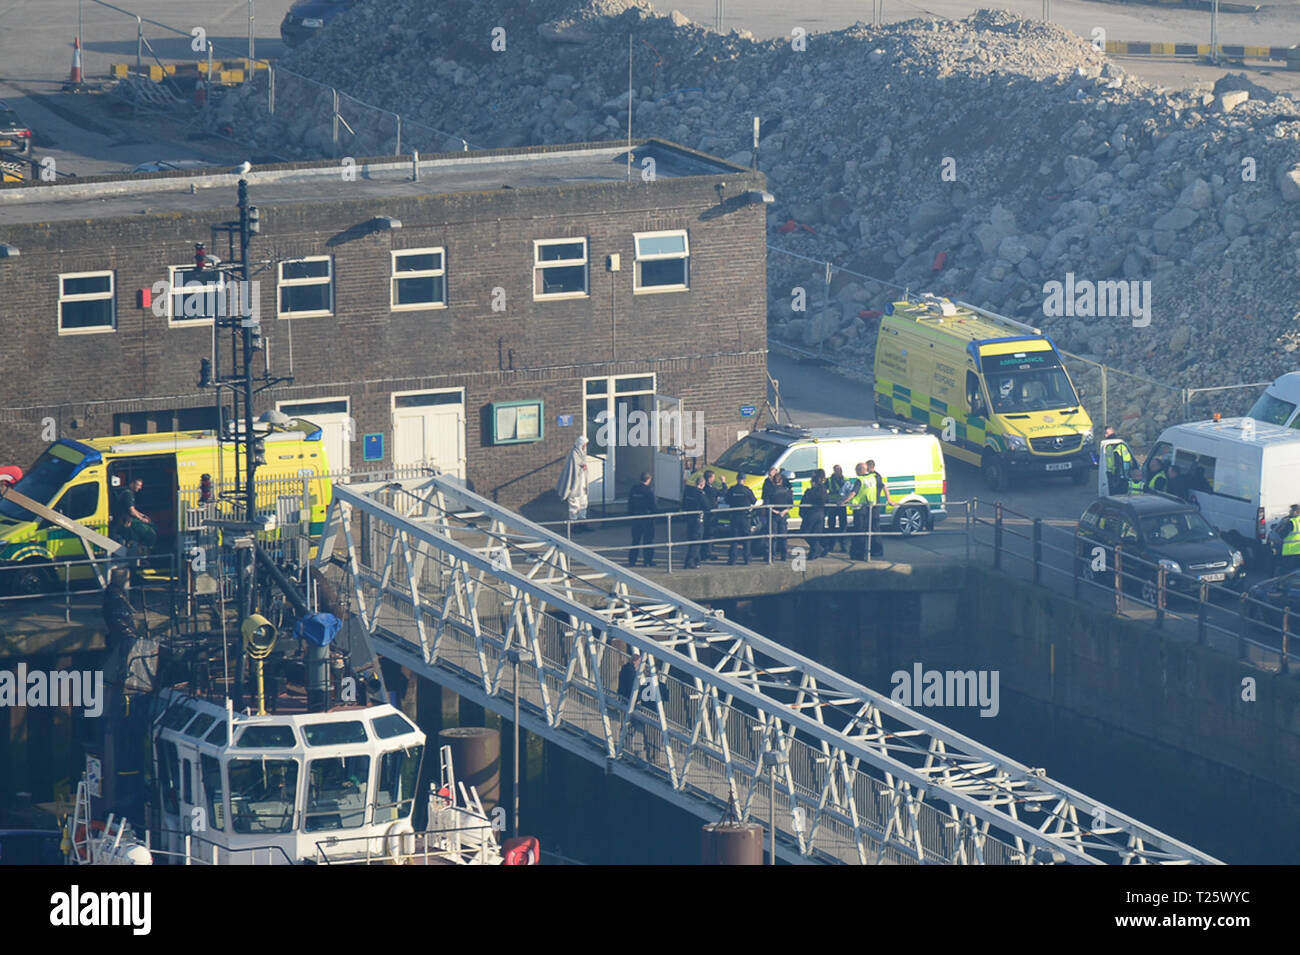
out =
column 669, row 474
column 335, row 421
column 429, row 429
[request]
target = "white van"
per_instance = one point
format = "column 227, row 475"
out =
column 1280, row 402
column 1243, row 474
column 911, row 462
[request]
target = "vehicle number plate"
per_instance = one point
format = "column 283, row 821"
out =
column 1214, row 578
column 1063, row 466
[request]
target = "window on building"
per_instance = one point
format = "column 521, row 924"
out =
column 559, row 268
column 86, row 302
column 306, row 287
column 419, row 279
column 194, row 297
column 662, row 261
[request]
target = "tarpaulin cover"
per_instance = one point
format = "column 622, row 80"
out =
column 318, row 628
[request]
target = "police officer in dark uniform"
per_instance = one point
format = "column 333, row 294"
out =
column 697, row 501
column 779, row 497
column 741, row 498
column 715, row 489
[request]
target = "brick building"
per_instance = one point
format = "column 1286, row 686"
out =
column 478, row 315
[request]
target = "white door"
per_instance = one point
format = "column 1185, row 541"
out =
column 669, row 471
column 429, row 430
column 335, row 420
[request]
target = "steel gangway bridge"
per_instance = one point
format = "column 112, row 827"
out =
column 726, row 723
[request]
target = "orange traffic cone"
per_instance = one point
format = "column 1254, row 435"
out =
column 75, row 78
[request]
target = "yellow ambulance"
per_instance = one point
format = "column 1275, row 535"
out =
column 993, row 389
column 80, row 480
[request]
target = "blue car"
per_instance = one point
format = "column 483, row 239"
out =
column 306, row 18
column 1275, row 594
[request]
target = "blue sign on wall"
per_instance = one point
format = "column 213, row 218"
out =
column 747, row 411
column 564, row 420
column 373, row 447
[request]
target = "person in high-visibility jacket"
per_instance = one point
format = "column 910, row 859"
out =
column 1159, row 480
column 1121, row 469
column 862, row 503
column 1289, row 530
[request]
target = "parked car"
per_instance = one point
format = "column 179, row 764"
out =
column 1155, row 530
column 15, row 137
column 306, row 18
column 1277, row 593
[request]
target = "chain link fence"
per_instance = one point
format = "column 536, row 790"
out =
column 286, row 111
column 212, row 79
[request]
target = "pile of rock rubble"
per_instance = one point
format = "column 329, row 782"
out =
column 980, row 158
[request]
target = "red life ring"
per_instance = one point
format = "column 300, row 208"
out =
column 79, row 836
column 10, row 474
column 525, row 850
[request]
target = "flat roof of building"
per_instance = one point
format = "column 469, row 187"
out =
column 387, row 177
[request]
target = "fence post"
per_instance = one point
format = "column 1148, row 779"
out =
column 139, row 46
column 1119, row 578
column 335, row 94
column 1038, row 550
column 1200, row 613
column 670, row 543
column 397, row 150
column 1160, row 596
column 1105, row 418
column 769, row 535
column 1286, row 639
column 1243, row 626
column 970, row 505
column 997, row 536
column 270, row 90
column 1076, row 560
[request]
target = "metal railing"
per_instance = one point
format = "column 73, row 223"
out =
column 1214, row 614
column 78, row 581
column 762, row 540
column 734, row 719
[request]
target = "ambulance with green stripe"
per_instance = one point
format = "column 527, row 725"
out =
column 993, row 389
column 80, row 480
column 911, row 462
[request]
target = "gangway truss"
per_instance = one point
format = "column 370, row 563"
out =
column 721, row 719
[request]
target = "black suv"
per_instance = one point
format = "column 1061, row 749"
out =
column 14, row 136
column 1159, row 530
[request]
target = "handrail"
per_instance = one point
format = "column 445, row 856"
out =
column 1145, row 583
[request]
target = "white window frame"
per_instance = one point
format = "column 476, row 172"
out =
column 175, row 292
column 110, row 295
column 418, row 274
column 539, row 266
column 638, row 258
column 282, row 283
